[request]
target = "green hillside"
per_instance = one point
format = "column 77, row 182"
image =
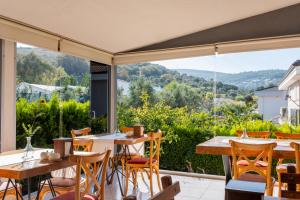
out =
column 249, row 80
column 48, row 56
column 36, row 65
column 160, row 76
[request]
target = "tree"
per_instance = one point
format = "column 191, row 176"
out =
column 74, row 66
column 32, row 69
column 85, row 81
column 66, row 80
column 180, row 95
column 137, row 88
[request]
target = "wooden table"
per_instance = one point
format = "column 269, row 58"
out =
column 110, row 141
column 12, row 166
column 219, row 145
column 131, row 140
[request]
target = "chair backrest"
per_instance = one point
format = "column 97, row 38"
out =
column 126, row 129
column 280, row 135
column 80, row 132
column 83, row 145
column 251, row 153
column 296, row 147
column 291, row 179
column 94, row 167
column 78, row 145
column 155, row 140
column 255, row 134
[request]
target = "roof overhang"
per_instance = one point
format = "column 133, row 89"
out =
column 127, row 32
column 272, row 30
column 292, row 77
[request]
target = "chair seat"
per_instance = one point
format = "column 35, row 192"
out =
column 140, row 161
column 131, row 155
column 283, row 167
column 64, row 182
column 257, row 164
column 71, row 196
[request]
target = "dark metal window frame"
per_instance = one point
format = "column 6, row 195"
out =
column 98, row 68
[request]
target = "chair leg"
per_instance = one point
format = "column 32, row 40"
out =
column 112, row 160
column 134, row 177
column 158, row 178
column 269, row 187
column 151, row 181
column 142, row 175
column 279, row 184
column 123, row 164
column 127, row 180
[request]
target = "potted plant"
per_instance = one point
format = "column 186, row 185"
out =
column 138, row 128
column 29, row 131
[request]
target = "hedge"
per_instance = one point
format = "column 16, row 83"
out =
column 182, row 129
column 49, row 115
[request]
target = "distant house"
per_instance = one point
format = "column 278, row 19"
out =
column 271, row 103
column 291, row 83
column 34, row 92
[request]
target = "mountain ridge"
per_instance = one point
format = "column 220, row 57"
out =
column 248, row 79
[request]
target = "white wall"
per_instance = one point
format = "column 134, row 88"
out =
column 269, row 106
column 8, row 96
column 293, row 92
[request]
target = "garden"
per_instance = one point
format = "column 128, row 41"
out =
column 183, row 128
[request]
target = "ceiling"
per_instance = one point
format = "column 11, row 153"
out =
column 118, row 25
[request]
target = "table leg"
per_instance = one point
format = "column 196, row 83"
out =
column 51, row 187
column 17, row 191
column 15, row 187
column 28, row 188
column 40, row 187
column 227, row 167
column 125, row 150
column 6, row 188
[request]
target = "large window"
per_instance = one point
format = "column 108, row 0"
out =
column 194, row 99
column 54, row 93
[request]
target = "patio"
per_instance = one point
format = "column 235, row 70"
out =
column 192, row 188
column 114, row 33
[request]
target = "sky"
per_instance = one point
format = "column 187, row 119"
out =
column 24, row 45
column 238, row 62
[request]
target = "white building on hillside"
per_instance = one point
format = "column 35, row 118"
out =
column 270, row 103
column 291, row 83
column 33, row 92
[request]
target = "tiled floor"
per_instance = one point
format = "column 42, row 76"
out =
column 191, row 189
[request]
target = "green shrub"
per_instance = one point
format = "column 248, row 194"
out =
column 75, row 115
column 183, row 129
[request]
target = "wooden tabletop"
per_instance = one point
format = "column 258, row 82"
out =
column 120, row 139
column 34, row 167
column 219, row 145
column 131, row 140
